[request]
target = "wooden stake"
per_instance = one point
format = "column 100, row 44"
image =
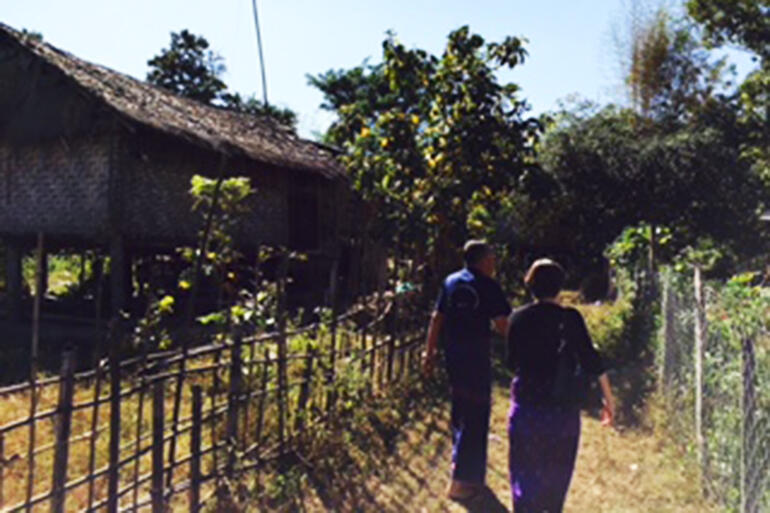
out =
column 233, row 401
column 156, row 492
column 195, row 449
column 113, row 475
column 63, row 424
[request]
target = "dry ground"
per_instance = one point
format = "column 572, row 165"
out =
column 630, row 471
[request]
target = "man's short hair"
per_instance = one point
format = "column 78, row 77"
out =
column 545, row 278
column 475, row 251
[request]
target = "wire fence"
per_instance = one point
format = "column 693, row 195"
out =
column 714, row 364
column 162, row 430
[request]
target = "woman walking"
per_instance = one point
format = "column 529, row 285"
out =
column 543, row 428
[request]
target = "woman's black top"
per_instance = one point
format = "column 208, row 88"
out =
column 533, row 342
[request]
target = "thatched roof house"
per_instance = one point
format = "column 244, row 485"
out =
column 95, row 158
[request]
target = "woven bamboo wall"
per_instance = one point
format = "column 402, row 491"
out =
column 155, row 175
column 54, row 186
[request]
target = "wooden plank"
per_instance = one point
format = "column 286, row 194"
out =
column 195, row 449
column 156, row 492
column 63, row 425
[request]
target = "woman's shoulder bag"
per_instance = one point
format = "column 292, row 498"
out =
column 571, row 384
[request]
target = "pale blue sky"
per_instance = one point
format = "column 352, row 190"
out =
column 571, row 47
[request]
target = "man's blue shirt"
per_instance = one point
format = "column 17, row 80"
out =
column 469, row 301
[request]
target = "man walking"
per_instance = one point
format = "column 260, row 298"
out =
column 470, row 304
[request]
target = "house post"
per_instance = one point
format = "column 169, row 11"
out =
column 43, row 280
column 117, row 273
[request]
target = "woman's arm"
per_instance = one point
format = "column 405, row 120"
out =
column 608, row 401
column 510, row 353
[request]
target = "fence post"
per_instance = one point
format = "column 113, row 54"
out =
column 363, row 345
column 750, row 466
column 304, row 391
column 262, row 395
column 392, row 336
column 700, row 344
column 63, row 423
column 99, row 351
column 282, row 352
column 668, row 358
column 156, row 492
column 113, row 475
column 375, row 342
column 195, row 449
column 331, row 396
column 233, row 401
column 2, row 469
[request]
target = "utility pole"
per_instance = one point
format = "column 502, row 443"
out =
column 259, row 47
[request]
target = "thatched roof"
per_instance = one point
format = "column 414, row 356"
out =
column 237, row 134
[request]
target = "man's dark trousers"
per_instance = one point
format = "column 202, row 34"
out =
column 471, row 407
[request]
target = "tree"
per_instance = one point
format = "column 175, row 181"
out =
column 741, row 22
column 670, row 79
column 190, row 69
column 31, row 35
column 745, row 23
column 605, row 171
column 251, row 105
column 435, row 143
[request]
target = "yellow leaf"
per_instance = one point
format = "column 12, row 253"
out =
column 415, row 119
column 184, row 284
column 166, row 304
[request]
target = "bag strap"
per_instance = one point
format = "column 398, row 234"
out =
column 562, row 332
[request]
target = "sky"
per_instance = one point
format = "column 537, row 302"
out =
column 571, row 43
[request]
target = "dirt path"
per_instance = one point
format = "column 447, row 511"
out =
column 617, row 472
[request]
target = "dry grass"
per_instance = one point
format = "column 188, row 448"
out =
column 15, row 407
column 633, row 471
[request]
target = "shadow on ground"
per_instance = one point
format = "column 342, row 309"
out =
column 390, row 459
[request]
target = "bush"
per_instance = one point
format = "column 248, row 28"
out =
column 608, row 322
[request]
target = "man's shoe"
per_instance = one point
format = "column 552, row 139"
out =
column 460, row 491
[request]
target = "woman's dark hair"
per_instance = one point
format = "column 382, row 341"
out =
column 544, row 278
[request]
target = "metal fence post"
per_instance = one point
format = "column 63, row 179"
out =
column 700, row 345
column 750, row 466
